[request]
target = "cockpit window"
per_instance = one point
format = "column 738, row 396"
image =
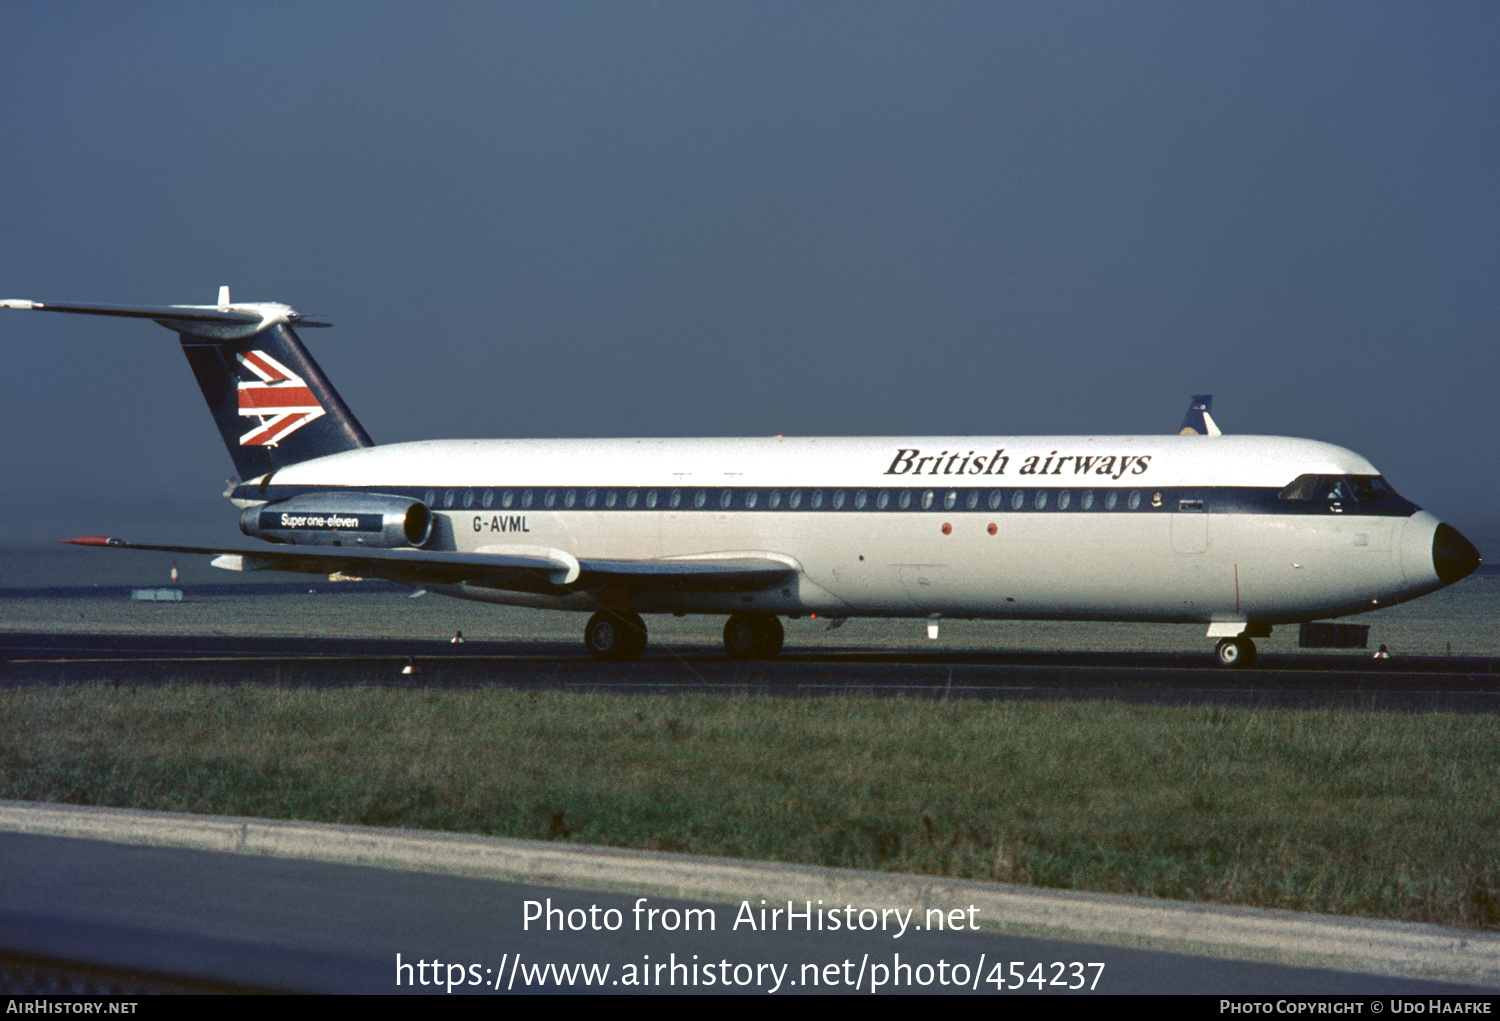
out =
column 1355, row 488
column 1335, row 489
column 1369, row 488
column 1302, row 488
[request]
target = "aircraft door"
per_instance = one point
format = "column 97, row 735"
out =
column 1190, row 526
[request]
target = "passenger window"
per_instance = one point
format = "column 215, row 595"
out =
column 589, row 498
column 817, row 499
column 838, row 499
column 927, row 498
column 526, row 498
column 1086, row 501
column 1041, row 499
column 675, row 499
column 1064, row 499
column 1018, row 499
column 883, row 499
column 448, row 498
column 794, row 499
column 551, row 498
column 570, row 498
column 972, row 500
column 651, row 499
column 905, row 500
column 609, row 499
column 468, row 498
column 430, row 499
column 950, row 499
column 630, row 499
column 726, row 498
column 996, row 498
column 860, row 499
column 700, row 498
column 507, row 498
column 489, row 498
column 775, row 498
column 750, row 499
column 1111, row 500
column 1134, row 502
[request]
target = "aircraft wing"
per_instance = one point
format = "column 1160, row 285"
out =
column 739, row 573
column 520, row 569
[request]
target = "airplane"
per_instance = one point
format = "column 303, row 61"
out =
column 1239, row 533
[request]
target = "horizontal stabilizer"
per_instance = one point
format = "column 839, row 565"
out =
column 254, row 315
column 185, row 313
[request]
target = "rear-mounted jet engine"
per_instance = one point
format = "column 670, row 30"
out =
column 341, row 519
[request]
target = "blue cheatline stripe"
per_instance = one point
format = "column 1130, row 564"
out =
column 853, row 499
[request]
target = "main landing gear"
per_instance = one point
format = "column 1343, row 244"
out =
column 618, row 636
column 1236, row 653
column 615, row 636
column 753, row 636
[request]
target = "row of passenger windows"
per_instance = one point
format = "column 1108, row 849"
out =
column 792, row 499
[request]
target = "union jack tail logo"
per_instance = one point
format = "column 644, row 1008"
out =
column 278, row 397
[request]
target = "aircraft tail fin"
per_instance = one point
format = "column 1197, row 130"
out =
column 1197, row 421
column 271, row 402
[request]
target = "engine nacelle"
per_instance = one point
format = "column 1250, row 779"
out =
column 341, row 519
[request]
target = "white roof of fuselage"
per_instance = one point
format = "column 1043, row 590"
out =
column 1075, row 461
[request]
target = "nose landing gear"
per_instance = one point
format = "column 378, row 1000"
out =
column 1236, row 653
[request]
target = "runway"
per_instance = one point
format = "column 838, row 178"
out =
column 1417, row 684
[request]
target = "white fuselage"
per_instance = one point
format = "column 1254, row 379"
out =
column 1144, row 528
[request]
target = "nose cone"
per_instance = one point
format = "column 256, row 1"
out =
column 1453, row 556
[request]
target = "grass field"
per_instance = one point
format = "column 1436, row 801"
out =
column 1385, row 815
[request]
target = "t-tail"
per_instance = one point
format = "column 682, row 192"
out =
column 1197, row 421
column 270, row 400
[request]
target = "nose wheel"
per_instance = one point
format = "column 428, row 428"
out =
column 753, row 636
column 1236, row 653
column 615, row 636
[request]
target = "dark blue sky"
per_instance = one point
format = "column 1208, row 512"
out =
column 611, row 219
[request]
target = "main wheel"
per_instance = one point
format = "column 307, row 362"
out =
column 771, row 637
column 752, row 636
column 615, row 636
column 1236, row 653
